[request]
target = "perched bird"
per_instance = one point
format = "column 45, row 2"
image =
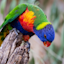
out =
column 29, row 20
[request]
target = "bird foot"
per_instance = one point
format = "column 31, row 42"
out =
column 27, row 45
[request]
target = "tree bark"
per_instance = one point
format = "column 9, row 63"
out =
column 13, row 50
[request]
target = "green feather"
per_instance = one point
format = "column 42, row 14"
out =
column 40, row 16
column 18, row 10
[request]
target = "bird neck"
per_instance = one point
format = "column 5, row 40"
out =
column 27, row 20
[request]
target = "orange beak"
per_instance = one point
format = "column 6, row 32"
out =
column 47, row 43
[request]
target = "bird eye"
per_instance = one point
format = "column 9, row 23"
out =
column 44, row 36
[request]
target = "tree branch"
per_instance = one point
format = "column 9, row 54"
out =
column 13, row 51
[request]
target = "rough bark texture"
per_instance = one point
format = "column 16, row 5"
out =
column 13, row 51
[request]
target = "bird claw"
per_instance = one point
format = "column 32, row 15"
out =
column 27, row 45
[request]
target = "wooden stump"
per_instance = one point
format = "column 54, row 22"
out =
column 13, row 51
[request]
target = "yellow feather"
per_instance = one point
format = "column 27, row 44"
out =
column 42, row 25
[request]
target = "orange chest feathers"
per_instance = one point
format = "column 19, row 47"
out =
column 26, row 20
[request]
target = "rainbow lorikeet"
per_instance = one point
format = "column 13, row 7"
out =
column 30, row 19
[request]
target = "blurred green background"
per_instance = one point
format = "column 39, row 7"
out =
column 54, row 10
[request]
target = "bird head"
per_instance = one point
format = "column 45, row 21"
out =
column 46, row 34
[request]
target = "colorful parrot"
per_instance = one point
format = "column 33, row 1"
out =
column 29, row 20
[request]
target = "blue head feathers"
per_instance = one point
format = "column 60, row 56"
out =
column 46, row 34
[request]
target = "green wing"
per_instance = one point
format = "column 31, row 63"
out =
column 40, row 21
column 14, row 14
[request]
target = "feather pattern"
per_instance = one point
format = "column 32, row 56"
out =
column 30, row 19
column 18, row 10
column 14, row 14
